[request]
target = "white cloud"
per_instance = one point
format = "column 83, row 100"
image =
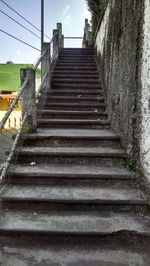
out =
column 67, row 19
column 66, row 15
column 66, row 9
column 18, row 53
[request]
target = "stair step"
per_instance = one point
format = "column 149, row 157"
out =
column 80, row 155
column 75, row 64
column 74, row 86
column 75, row 98
column 76, row 73
column 71, row 138
column 71, row 152
column 70, row 171
column 75, row 106
column 76, row 68
column 64, row 75
column 57, row 114
column 77, row 57
column 95, row 251
column 77, row 80
column 76, row 92
column 71, row 224
column 77, row 123
column 17, row 196
column 76, row 50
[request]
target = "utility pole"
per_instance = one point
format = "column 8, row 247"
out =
column 42, row 23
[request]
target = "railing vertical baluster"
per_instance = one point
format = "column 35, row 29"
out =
column 29, row 99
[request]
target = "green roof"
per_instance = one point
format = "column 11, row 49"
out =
column 10, row 76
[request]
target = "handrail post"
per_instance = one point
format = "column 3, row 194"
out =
column 29, row 99
column 62, row 41
column 87, row 38
column 45, row 65
column 56, row 43
column 59, row 28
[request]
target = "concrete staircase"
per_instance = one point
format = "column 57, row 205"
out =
column 71, row 199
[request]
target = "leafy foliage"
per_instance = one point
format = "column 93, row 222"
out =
column 97, row 9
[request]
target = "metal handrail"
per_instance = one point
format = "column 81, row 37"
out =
column 73, row 37
column 13, row 103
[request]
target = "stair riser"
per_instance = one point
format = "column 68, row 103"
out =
column 82, row 60
column 71, row 116
column 76, row 206
column 76, row 69
column 83, row 65
column 75, row 81
column 86, row 243
column 74, row 54
column 74, row 108
column 51, row 158
column 68, row 142
column 66, row 181
column 83, row 74
column 73, row 126
column 51, row 179
column 75, row 86
column 74, row 76
column 75, row 100
column 77, row 55
column 51, row 237
column 75, row 92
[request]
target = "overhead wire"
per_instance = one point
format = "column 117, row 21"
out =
column 23, row 17
column 19, row 23
column 14, row 37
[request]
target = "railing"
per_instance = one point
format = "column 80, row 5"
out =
column 30, row 98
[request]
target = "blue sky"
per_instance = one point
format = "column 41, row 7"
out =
column 70, row 13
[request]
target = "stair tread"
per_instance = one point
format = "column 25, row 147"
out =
column 90, row 121
column 74, row 193
column 96, row 253
column 76, row 97
column 71, row 170
column 96, row 112
column 76, row 85
column 88, row 133
column 72, row 151
column 78, row 223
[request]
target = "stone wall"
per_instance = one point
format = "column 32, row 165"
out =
column 121, row 47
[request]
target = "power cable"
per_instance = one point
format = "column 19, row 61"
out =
column 19, row 23
column 20, row 40
column 23, row 17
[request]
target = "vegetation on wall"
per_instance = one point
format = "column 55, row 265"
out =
column 97, row 9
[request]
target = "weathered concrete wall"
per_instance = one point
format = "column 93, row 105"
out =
column 145, row 95
column 122, row 53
